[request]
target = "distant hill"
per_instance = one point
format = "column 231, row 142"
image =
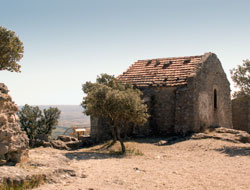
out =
column 71, row 116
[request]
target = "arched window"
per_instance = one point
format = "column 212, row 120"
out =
column 215, row 99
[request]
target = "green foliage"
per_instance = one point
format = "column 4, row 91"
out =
column 241, row 78
column 30, row 120
column 11, row 50
column 119, row 103
column 37, row 123
column 105, row 79
column 49, row 120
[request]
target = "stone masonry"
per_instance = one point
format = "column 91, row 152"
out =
column 241, row 113
column 13, row 141
column 184, row 94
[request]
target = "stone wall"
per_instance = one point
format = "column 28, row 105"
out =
column 212, row 100
column 205, row 101
column 161, row 103
column 184, row 115
column 99, row 131
column 241, row 114
column 13, row 141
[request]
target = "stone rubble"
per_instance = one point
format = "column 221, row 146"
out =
column 13, row 141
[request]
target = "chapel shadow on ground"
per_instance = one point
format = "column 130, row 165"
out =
column 234, row 151
column 163, row 141
column 104, row 151
column 92, row 155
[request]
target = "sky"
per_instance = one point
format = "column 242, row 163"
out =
column 69, row 42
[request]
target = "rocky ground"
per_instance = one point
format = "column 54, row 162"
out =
column 214, row 160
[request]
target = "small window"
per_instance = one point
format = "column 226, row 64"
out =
column 186, row 61
column 157, row 63
column 215, row 100
column 149, row 62
column 166, row 65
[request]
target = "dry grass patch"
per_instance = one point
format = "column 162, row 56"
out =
column 112, row 148
column 28, row 183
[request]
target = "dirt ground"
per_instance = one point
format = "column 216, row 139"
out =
column 214, row 161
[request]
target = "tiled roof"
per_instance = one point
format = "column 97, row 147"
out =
column 172, row 71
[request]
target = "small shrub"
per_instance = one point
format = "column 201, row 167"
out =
column 38, row 124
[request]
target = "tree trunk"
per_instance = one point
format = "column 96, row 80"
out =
column 120, row 140
column 123, row 146
column 125, row 127
column 113, row 133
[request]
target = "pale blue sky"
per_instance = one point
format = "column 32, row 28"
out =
column 69, row 42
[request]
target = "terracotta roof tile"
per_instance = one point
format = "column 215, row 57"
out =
column 172, row 71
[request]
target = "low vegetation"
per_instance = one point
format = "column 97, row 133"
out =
column 37, row 123
column 241, row 79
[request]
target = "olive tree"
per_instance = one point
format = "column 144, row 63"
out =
column 29, row 118
column 11, row 50
column 37, row 123
column 118, row 103
column 241, row 78
column 49, row 120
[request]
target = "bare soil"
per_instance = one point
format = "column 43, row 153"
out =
column 203, row 161
column 216, row 160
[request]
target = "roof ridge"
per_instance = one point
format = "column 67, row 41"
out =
column 181, row 57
